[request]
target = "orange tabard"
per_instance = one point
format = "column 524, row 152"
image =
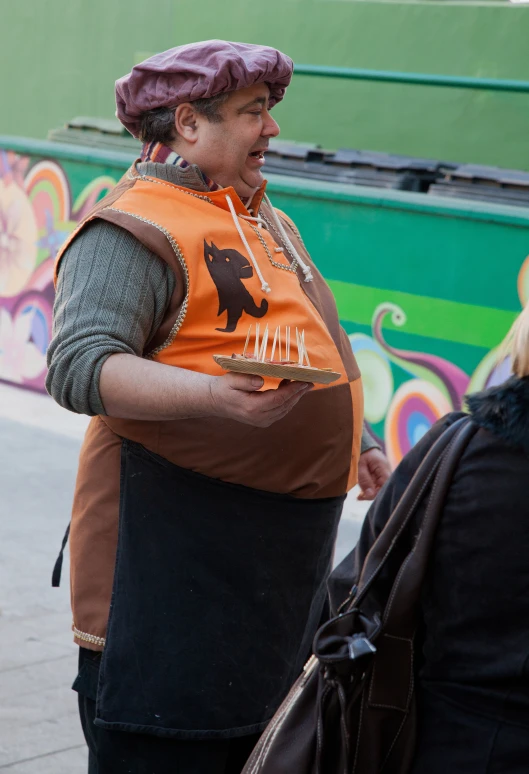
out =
column 216, row 265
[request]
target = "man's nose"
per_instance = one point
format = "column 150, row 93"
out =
column 270, row 128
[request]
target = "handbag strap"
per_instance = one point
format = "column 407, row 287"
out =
column 400, row 614
column 402, row 514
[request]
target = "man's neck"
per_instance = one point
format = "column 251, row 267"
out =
column 158, row 153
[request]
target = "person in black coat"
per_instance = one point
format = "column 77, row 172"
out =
column 473, row 671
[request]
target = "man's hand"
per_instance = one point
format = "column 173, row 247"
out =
column 373, row 472
column 236, row 396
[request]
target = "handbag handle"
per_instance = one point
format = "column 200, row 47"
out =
column 402, row 514
column 400, row 613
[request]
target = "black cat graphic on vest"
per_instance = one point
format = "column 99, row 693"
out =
column 227, row 269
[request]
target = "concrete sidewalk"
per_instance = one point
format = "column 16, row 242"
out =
column 39, row 727
column 39, row 447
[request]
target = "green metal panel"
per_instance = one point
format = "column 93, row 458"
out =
column 425, row 287
column 417, row 243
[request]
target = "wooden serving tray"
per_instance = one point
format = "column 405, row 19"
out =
column 294, row 372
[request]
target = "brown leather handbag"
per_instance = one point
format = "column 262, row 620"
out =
column 352, row 711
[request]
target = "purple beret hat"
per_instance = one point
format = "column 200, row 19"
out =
column 196, row 71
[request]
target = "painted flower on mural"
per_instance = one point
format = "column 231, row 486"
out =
column 20, row 359
column 13, row 167
column 52, row 237
column 18, row 239
column 37, row 213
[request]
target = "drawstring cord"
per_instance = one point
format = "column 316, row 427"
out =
column 261, row 223
column 265, row 287
column 304, row 268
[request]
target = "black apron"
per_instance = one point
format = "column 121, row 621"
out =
column 218, row 591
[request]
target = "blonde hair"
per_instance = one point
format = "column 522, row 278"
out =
column 516, row 344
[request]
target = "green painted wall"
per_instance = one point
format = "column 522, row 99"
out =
column 467, row 38
column 60, row 58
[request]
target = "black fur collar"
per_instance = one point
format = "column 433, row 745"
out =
column 504, row 410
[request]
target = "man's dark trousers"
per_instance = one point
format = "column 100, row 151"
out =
column 120, row 752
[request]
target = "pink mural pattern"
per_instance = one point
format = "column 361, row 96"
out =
column 36, row 216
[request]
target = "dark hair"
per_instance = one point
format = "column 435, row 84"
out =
column 158, row 125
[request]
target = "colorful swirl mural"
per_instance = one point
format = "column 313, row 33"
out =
column 36, row 215
column 416, row 406
column 435, row 388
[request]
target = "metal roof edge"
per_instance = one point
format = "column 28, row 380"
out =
column 400, row 200
column 303, row 187
column 48, row 149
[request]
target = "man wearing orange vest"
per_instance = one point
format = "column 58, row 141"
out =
column 206, row 508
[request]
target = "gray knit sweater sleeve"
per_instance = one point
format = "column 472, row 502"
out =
column 112, row 294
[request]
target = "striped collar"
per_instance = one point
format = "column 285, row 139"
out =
column 159, row 153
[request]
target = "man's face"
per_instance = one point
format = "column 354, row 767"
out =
column 231, row 152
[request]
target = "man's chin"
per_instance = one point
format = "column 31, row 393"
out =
column 249, row 183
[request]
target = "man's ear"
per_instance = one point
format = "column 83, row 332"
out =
column 186, row 122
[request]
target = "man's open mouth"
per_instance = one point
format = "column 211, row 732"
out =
column 258, row 154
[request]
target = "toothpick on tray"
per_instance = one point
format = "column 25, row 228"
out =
column 305, row 354
column 300, row 351
column 247, row 341
column 276, row 334
column 264, row 345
